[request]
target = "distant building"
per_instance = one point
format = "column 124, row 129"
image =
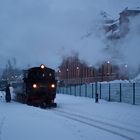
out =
column 73, row 71
column 125, row 14
column 115, row 29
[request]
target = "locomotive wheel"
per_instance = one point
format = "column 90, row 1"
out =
column 54, row 105
column 28, row 102
column 43, row 105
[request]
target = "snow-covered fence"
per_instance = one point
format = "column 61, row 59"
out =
column 120, row 92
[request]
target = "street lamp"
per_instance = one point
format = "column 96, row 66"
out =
column 108, row 62
column 125, row 65
column 77, row 74
column 59, row 74
column 126, row 70
column 77, row 71
column 67, row 70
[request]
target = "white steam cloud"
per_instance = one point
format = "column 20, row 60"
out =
column 125, row 51
column 131, row 44
column 43, row 31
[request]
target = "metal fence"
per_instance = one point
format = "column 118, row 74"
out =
column 119, row 92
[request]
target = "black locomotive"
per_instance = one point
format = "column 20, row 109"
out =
column 38, row 88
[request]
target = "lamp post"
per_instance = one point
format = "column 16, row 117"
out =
column 126, row 70
column 108, row 62
column 125, row 65
column 59, row 75
column 67, row 70
column 81, row 74
column 102, row 72
column 77, row 74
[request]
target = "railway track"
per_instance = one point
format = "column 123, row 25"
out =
column 125, row 133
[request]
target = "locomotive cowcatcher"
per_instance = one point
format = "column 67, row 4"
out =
column 39, row 87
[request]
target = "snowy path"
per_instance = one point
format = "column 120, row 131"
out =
column 76, row 118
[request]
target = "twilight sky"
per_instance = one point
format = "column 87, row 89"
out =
column 42, row 31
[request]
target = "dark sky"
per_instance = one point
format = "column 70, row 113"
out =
column 42, row 31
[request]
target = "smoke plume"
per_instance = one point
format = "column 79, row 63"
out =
column 43, row 31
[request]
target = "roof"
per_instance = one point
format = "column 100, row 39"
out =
column 34, row 68
column 131, row 10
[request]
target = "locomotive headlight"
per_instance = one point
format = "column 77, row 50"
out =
column 52, row 85
column 34, row 85
column 42, row 66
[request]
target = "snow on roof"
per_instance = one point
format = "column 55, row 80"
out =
column 131, row 9
column 116, row 22
column 116, row 81
column 106, row 16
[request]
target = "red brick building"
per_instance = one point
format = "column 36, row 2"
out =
column 74, row 71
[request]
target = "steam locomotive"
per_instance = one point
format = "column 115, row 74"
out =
column 38, row 87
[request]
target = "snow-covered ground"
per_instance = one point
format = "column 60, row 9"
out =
column 75, row 118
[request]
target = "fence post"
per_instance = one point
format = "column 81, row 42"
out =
column 59, row 89
column 109, row 99
column 120, row 92
column 134, row 93
column 96, row 93
column 92, row 90
column 75, row 90
column 80, row 90
column 70, row 89
column 100, row 91
column 85, row 90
